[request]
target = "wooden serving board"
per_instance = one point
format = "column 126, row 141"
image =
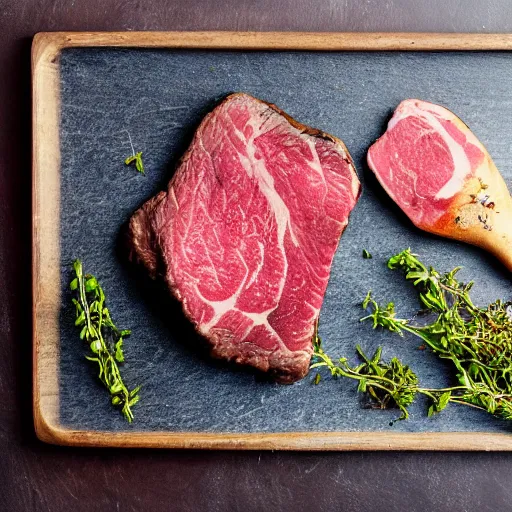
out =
column 94, row 91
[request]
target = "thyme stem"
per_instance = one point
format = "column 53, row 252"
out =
column 93, row 317
column 477, row 341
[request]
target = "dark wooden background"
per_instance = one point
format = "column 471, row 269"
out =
column 34, row 476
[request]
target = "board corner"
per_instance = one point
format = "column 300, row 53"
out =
column 46, row 431
column 46, row 47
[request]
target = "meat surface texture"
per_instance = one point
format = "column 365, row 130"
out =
column 246, row 232
column 442, row 177
column 425, row 159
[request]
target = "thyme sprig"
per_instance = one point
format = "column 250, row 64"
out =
column 387, row 384
column 104, row 338
column 137, row 159
column 477, row 341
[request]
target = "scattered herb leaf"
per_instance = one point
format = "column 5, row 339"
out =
column 137, row 158
column 366, row 254
column 104, row 339
column 386, row 384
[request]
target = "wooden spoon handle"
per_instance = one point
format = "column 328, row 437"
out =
column 498, row 239
column 502, row 249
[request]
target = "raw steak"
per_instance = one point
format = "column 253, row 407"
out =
column 246, row 231
column 439, row 173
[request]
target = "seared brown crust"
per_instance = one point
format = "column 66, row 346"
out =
column 141, row 236
column 285, row 369
column 308, row 130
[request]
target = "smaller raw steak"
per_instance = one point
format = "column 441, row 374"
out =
column 246, row 232
column 442, row 177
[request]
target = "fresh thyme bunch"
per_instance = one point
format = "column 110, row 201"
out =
column 391, row 384
column 103, row 337
column 477, row 342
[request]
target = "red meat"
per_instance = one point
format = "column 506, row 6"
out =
column 246, row 231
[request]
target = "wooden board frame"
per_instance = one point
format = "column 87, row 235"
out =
column 46, row 251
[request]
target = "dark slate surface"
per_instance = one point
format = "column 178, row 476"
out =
column 157, row 98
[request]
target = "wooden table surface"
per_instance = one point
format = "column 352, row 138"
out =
column 34, row 476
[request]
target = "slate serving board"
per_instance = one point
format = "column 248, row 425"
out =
column 155, row 98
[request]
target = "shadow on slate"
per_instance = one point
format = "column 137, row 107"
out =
column 157, row 99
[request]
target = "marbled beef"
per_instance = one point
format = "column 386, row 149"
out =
column 425, row 160
column 443, row 178
column 246, row 231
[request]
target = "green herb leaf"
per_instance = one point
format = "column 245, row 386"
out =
column 119, row 351
column 362, row 385
column 366, row 255
column 91, row 284
column 93, row 317
column 477, row 341
column 137, row 159
column 443, row 401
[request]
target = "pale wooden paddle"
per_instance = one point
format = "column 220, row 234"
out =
column 419, row 140
column 481, row 214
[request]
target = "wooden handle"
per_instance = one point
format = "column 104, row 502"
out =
column 493, row 232
column 501, row 246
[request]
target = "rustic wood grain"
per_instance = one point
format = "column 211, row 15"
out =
column 304, row 441
column 348, row 41
column 46, row 259
column 45, row 241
